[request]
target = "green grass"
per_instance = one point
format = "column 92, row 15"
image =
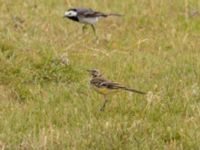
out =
column 45, row 98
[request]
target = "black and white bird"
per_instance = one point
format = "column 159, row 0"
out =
column 86, row 16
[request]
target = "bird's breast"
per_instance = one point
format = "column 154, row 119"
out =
column 88, row 20
column 103, row 90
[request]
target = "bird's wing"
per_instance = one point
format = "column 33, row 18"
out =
column 90, row 13
column 103, row 83
column 95, row 14
column 114, row 85
column 97, row 82
column 111, row 85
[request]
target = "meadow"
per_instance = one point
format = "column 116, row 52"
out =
column 46, row 102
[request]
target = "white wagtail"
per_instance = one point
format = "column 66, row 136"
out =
column 86, row 16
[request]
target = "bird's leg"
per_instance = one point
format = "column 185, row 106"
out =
column 84, row 27
column 93, row 28
column 95, row 34
column 104, row 104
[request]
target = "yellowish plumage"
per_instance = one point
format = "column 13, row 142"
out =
column 104, row 91
column 106, row 87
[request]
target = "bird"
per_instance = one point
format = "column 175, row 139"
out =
column 86, row 16
column 106, row 87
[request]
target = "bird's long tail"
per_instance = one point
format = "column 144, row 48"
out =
column 133, row 90
column 114, row 14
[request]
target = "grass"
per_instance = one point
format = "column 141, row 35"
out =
column 45, row 99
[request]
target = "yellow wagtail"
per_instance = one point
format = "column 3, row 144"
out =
column 106, row 87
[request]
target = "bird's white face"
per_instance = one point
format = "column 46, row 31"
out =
column 70, row 13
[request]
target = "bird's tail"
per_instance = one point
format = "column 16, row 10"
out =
column 114, row 14
column 133, row 90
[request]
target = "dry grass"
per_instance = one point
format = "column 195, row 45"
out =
column 45, row 99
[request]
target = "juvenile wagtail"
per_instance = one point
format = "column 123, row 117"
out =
column 86, row 16
column 106, row 87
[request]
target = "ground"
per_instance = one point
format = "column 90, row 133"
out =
column 45, row 98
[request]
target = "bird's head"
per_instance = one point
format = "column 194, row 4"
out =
column 71, row 13
column 94, row 72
